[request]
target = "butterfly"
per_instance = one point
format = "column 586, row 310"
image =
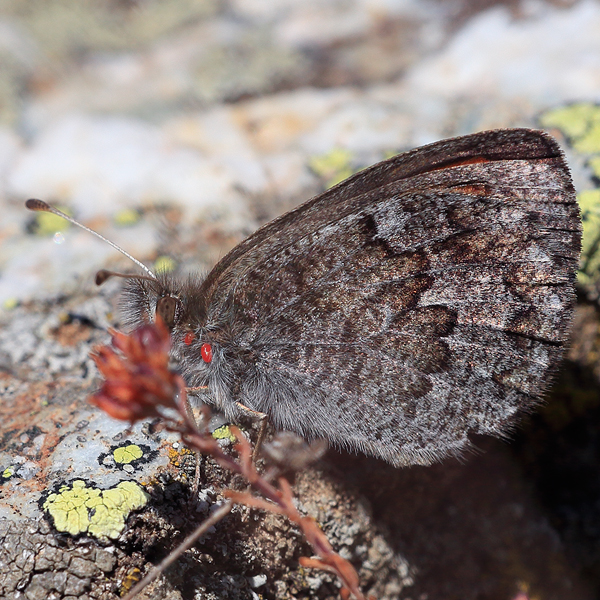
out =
column 423, row 299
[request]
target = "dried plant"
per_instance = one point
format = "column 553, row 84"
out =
column 139, row 384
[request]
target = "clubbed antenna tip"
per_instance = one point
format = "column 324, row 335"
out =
column 41, row 206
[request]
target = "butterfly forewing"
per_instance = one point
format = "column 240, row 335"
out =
column 423, row 298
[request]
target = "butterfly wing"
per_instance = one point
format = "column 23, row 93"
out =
column 423, row 298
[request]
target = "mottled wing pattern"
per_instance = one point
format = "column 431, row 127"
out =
column 422, row 299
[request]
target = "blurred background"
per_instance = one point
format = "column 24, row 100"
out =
column 217, row 115
column 176, row 127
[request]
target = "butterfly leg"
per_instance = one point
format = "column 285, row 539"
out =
column 190, row 413
column 188, row 406
column 262, row 418
column 196, row 389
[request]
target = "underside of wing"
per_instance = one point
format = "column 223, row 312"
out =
column 393, row 316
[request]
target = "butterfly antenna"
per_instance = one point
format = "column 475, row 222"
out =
column 41, row 206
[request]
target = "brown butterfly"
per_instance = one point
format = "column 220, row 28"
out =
column 423, row 298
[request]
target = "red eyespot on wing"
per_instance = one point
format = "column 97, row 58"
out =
column 206, row 352
column 188, row 338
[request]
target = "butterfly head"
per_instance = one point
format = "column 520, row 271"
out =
column 178, row 302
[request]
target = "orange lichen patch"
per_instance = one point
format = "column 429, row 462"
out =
column 72, row 334
column 51, row 440
column 133, row 576
column 29, row 410
column 16, row 410
column 175, row 455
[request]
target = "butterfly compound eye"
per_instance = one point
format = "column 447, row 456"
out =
column 169, row 309
column 206, row 352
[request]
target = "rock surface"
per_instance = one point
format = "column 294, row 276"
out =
column 175, row 128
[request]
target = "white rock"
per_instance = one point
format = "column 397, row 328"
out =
column 257, row 581
column 553, row 56
column 10, row 146
column 102, row 164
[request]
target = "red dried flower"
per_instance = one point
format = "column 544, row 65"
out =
column 137, row 375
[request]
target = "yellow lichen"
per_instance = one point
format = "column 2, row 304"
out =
column 48, row 224
column 127, row 217
column 127, row 454
column 224, row 432
column 576, row 121
column 164, row 264
column 333, row 167
column 80, row 508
